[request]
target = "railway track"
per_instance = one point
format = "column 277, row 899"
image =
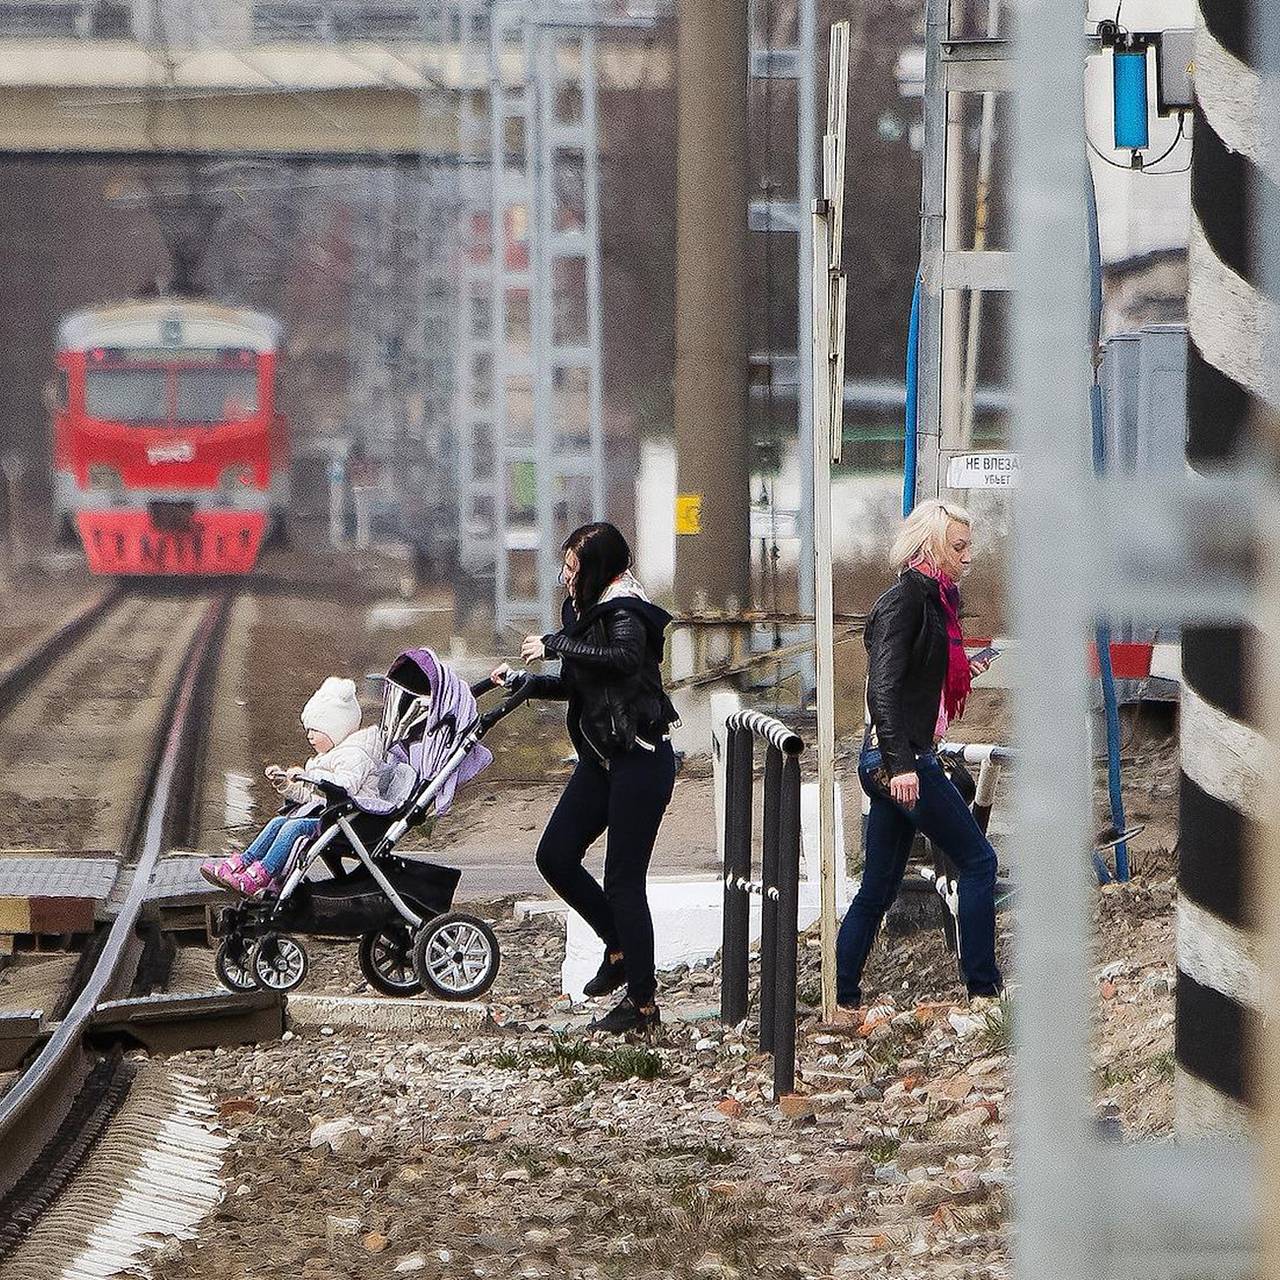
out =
column 55, row 1110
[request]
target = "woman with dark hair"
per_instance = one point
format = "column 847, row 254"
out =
column 610, row 648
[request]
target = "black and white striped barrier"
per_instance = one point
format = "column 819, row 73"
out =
column 778, row 886
column 1225, row 780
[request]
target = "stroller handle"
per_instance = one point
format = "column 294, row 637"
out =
column 520, row 687
column 513, row 682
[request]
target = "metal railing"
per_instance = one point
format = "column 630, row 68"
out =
column 778, row 887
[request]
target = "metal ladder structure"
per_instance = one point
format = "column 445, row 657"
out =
column 953, row 65
column 548, row 393
column 791, row 372
column 432, row 435
column 530, row 411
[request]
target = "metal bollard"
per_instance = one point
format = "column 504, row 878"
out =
column 788, row 931
column 778, row 887
column 768, row 897
column 740, row 758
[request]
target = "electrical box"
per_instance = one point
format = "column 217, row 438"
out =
column 1144, row 397
column 1175, row 70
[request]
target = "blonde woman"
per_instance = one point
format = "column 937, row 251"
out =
column 918, row 678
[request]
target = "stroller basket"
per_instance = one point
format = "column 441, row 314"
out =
column 355, row 903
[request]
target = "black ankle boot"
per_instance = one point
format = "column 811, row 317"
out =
column 609, row 977
column 626, row 1016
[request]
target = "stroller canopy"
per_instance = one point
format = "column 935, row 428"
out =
column 427, row 708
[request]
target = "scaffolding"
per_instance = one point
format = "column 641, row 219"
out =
column 530, row 392
column 473, row 415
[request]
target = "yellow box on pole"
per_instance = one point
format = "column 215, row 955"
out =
column 688, row 513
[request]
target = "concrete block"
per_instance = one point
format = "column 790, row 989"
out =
column 383, row 1013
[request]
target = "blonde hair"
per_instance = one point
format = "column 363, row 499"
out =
column 924, row 532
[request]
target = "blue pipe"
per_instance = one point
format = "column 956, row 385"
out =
column 1102, row 636
column 912, row 413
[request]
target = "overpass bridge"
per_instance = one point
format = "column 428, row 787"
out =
column 327, row 78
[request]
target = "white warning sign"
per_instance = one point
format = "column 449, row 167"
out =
column 983, row 471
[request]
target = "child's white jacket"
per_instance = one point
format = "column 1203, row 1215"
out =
column 352, row 764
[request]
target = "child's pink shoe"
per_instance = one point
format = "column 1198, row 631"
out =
column 255, row 881
column 221, row 873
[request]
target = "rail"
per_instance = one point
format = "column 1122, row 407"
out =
column 778, row 887
column 37, row 1102
column 27, row 668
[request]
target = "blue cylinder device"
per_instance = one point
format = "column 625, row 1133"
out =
column 1131, row 99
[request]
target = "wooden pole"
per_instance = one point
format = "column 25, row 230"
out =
column 828, row 400
column 824, row 628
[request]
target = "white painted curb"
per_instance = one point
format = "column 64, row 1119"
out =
column 383, row 1013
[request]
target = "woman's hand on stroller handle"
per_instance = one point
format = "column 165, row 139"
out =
column 504, row 677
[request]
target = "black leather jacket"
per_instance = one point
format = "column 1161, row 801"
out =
column 610, row 673
column 907, row 647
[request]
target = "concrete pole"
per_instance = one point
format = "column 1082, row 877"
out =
column 713, row 553
column 1221, row 736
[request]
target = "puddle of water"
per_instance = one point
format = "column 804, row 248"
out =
column 238, row 802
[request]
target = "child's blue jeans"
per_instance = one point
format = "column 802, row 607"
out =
column 272, row 844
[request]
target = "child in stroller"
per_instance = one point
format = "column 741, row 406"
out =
column 399, row 907
column 344, row 753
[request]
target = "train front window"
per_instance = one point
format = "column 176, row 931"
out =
column 126, row 395
column 216, row 395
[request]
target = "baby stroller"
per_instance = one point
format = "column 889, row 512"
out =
column 400, row 908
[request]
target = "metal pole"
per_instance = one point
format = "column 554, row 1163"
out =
column 713, row 563
column 932, row 218
column 769, row 875
column 1265, row 1062
column 784, row 1036
column 806, row 189
column 986, row 136
column 1057, row 1207
column 539, row 90
column 737, row 866
column 952, row 327
column 500, row 184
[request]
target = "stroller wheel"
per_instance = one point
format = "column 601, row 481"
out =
column 279, row 962
column 386, row 960
column 231, row 962
column 456, row 956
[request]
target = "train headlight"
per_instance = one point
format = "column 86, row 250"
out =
column 234, row 478
column 102, row 476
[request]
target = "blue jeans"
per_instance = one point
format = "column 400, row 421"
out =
column 272, row 844
column 945, row 818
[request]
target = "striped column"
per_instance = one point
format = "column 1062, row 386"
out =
column 1218, row 987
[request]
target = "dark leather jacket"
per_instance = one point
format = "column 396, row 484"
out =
column 907, row 647
column 610, row 673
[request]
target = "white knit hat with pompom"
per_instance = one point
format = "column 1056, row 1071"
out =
column 333, row 709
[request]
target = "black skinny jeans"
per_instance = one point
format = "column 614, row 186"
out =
column 628, row 799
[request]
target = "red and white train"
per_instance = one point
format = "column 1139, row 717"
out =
column 169, row 455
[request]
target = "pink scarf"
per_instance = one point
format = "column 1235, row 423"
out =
column 955, row 689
